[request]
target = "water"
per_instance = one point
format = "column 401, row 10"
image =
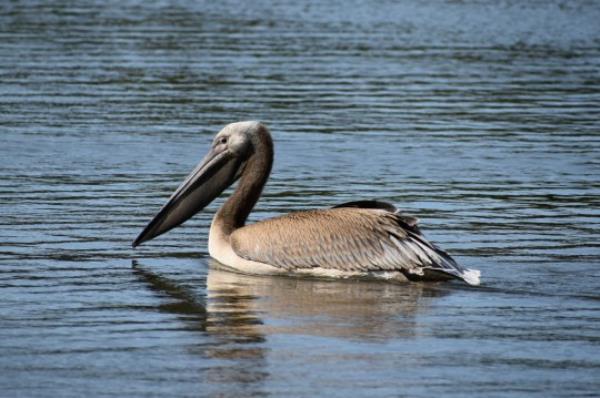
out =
column 479, row 117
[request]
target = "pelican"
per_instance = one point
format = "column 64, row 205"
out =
column 355, row 239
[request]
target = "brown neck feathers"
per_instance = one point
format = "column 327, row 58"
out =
column 235, row 210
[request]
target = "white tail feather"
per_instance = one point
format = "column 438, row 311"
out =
column 471, row 276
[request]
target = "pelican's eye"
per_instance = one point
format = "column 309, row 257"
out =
column 223, row 140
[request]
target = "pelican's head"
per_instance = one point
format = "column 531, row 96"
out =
column 231, row 150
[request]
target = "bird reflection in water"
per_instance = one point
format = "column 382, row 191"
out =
column 246, row 309
column 237, row 313
column 226, row 318
column 320, row 307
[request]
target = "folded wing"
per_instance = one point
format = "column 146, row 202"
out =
column 347, row 238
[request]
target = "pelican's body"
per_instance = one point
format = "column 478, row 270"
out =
column 365, row 238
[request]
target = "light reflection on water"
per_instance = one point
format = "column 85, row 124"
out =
column 480, row 118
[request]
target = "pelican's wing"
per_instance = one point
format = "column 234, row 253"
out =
column 347, row 239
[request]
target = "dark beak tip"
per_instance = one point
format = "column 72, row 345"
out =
column 138, row 241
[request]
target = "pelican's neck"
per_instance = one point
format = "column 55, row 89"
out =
column 234, row 212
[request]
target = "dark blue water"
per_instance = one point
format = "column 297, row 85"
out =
column 479, row 117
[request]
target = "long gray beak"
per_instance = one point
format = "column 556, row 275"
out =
column 210, row 178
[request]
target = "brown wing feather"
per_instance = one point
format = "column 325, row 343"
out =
column 345, row 238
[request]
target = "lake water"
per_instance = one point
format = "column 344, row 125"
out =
column 482, row 118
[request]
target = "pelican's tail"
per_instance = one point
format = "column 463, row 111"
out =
column 445, row 267
column 450, row 267
column 471, row 276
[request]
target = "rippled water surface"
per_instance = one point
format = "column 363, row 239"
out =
column 479, row 117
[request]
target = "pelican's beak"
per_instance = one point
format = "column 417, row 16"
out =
column 217, row 171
